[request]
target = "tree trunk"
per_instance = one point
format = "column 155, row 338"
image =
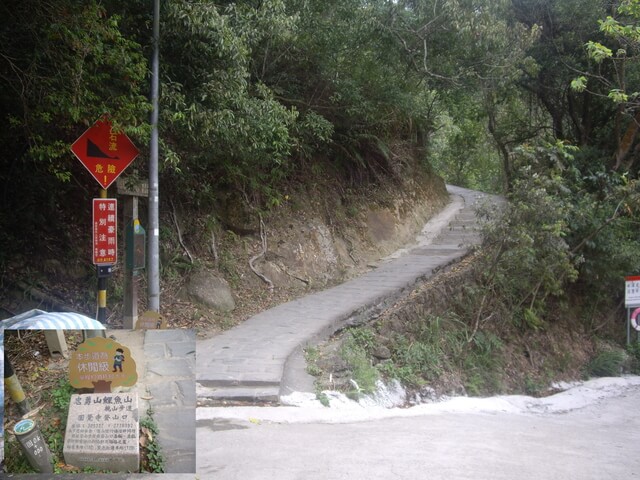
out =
column 626, row 142
column 502, row 147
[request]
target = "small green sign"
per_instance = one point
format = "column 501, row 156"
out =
column 24, row 426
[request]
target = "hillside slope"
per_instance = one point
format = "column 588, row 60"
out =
column 324, row 232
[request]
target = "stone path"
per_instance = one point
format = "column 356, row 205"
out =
column 262, row 360
column 165, row 361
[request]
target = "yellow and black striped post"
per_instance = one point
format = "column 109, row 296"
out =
column 12, row 385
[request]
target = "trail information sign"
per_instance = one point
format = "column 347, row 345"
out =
column 105, row 152
column 105, row 231
column 151, row 321
column 100, row 359
column 632, row 292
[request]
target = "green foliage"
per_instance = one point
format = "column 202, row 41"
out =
column 228, row 123
column 633, row 351
column 482, row 364
column 607, row 363
column 415, row 363
column 616, row 73
column 364, row 338
column 257, row 94
column 14, row 459
column 484, row 115
column 52, row 431
column 534, row 386
column 61, row 396
column 568, row 221
column 152, row 455
column 602, row 230
column 311, row 355
column 527, row 257
column 579, row 84
column 557, row 54
column 62, row 66
column 323, row 399
column 355, row 353
column 461, row 150
column 598, row 52
column 54, row 435
column 84, row 68
column 435, row 346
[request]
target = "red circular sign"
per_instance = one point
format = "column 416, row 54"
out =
column 634, row 319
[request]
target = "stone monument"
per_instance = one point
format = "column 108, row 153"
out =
column 103, row 427
column 103, row 432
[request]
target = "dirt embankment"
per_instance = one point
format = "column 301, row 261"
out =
column 313, row 240
column 321, row 232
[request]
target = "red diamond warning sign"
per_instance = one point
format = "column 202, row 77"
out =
column 104, row 152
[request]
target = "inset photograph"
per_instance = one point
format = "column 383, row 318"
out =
column 98, row 401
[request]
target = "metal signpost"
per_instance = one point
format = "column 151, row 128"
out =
column 632, row 303
column 153, row 270
column 105, row 153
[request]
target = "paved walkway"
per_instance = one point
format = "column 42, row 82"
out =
column 262, row 359
column 165, row 360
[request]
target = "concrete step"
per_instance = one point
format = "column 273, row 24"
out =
column 240, row 394
column 462, row 226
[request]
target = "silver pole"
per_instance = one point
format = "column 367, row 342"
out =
column 154, row 222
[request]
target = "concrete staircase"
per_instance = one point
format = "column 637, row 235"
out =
column 262, row 359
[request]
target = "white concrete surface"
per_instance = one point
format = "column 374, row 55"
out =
column 590, row 431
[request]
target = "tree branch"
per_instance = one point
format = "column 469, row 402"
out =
column 599, row 229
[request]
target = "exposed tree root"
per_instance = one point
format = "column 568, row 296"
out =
column 263, row 238
column 175, row 222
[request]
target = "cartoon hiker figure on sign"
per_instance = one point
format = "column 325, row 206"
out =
column 118, row 358
column 100, row 361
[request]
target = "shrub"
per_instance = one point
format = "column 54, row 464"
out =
column 607, row 364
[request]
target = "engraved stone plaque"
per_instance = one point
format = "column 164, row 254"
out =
column 103, row 432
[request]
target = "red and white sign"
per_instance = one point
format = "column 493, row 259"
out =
column 632, row 291
column 634, row 319
column 104, row 152
column 105, row 231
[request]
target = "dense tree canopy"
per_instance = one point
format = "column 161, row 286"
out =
column 256, row 93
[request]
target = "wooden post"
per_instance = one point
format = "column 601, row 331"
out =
column 131, row 194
